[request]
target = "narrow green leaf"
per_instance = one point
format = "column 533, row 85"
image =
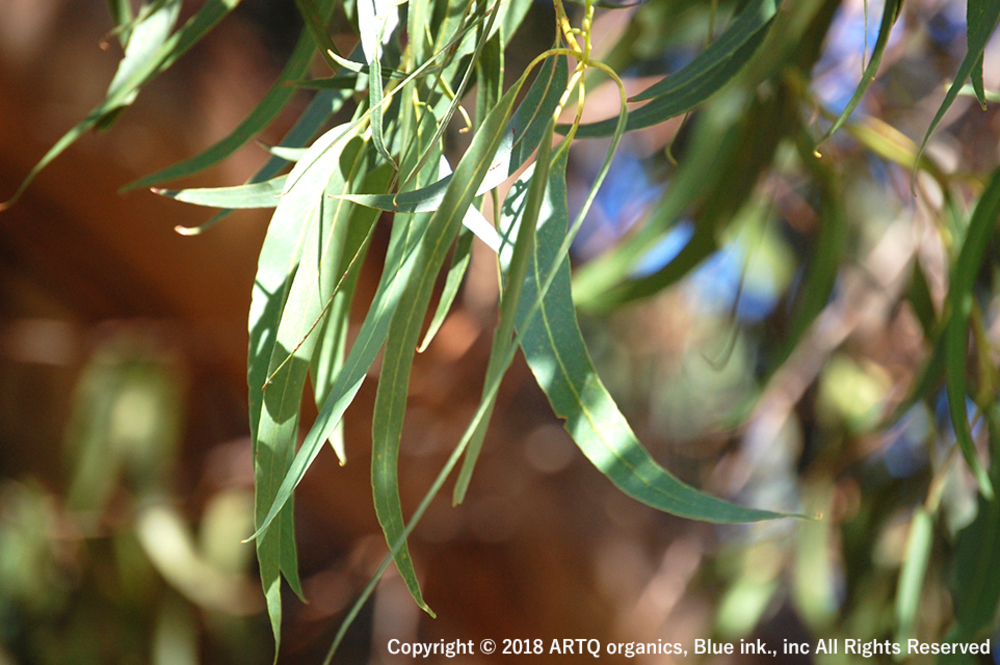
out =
column 489, row 77
column 960, row 302
column 459, row 92
column 911, row 575
column 520, row 218
column 889, row 15
column 521, row 138
column 390, row 400
column 265, row 112
column 702, row 77
column 376, row 21
column 395, row 274
column 147, row 38
column 150, row 53
column 976, row 21
column 459, row 264
column 323, row 105
column 754, row 16
column 982, row 17
column 332, row 346
column 554, row 348
column 419, row 14
column 341, row 81
column 257, row 195
column 273, row 420
column 316, row 27
column 975, row 586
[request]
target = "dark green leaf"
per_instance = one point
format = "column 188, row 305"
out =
column 702, row 77
column 960, row 303
column 983, row 16
column 889, row 15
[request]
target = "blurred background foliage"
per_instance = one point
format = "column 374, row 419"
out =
column 125, row 470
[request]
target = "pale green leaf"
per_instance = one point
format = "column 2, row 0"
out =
column 257, row 195
column 263, row 114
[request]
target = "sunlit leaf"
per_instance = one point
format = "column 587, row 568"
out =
column 554, row 348
column 521, row 138
column 459, row 264
column 273, row 417
column 258, row 195
column 390, row 400
column 263, row 114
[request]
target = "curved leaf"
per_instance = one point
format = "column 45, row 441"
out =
column 557, row 355
column 702, row 77
column 983, row 17
column 265, row 112
column 956, row 335
column 273, row 428
column 889, row 15
column 521, row 210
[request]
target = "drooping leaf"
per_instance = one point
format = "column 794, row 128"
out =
column 702, row 77
column 263, row 114
column 376, row 21
column 390, row 400
column 150, row 34
column 357, row 238
column 519, row 221
column 316, row 27
column 459, row 264
column 982, row 19
column 889, row 15
column 554, row 348
column 956, row 335
column 141, row 67
column 271, row 427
